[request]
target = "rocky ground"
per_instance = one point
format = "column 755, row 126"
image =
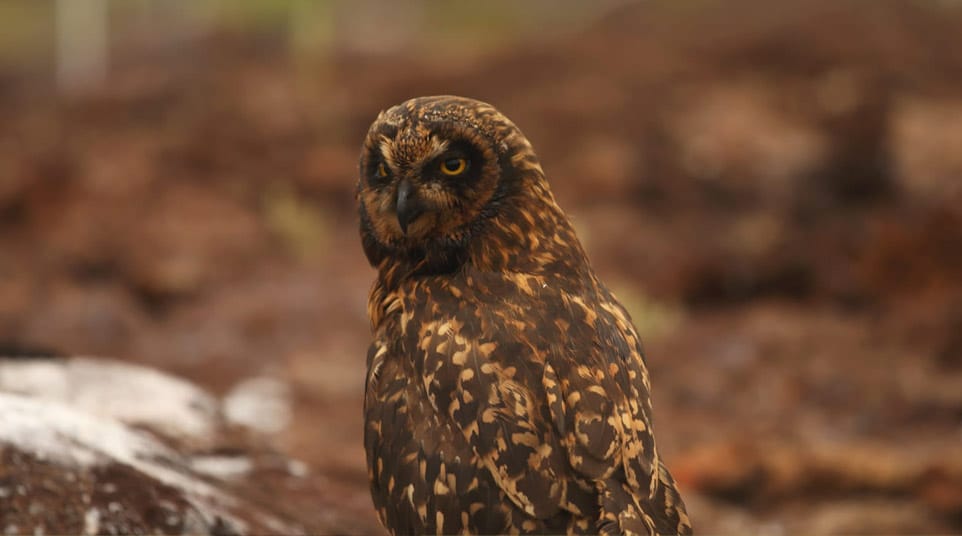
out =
column 773, row 195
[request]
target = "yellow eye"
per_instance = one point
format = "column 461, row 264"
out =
column 454, row 166
column 381, row 170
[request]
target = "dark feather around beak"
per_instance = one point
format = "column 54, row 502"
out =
column 409, row 207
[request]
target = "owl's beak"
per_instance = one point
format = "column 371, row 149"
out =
column 409, row 207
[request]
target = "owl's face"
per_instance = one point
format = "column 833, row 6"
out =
column 449, row 182
column 429, row 168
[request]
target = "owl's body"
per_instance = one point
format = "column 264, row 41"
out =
column 507, row 391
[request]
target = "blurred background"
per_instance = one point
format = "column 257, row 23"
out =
column 775, row 193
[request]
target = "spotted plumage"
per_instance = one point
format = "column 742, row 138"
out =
column 506, row 390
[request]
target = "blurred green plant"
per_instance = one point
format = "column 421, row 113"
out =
column 301, row 227
column 29, row 29
column 654, row 319
column 26, row 33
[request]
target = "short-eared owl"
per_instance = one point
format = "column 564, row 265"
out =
column 506, row 389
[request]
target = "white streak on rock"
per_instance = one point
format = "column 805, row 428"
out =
column 262, row 404
column 121, row 391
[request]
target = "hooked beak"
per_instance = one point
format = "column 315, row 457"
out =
column 409, row 207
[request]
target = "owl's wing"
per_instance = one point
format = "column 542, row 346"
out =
column 558, row 426
column 562, row 424
column 600, row 402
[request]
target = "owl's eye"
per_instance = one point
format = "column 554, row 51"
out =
column 454, row 166
column 381, row 171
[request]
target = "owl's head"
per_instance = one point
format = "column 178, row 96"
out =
column 434, row 172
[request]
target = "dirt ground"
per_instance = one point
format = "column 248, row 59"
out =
column 776, row 196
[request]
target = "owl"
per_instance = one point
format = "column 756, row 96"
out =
column 506, row 388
